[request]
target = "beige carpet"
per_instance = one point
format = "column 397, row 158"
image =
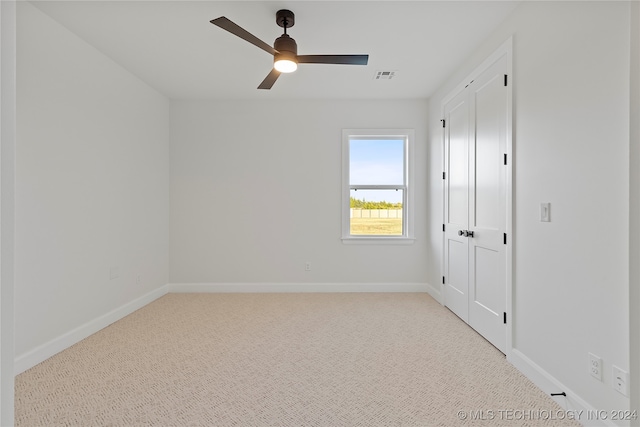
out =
column 282, row 360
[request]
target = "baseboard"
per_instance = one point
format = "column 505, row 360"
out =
column 56, row 345
column 572, row 403
column 435, row 293
column 294, row 287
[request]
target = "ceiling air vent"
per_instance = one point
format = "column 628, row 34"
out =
column 384, row 75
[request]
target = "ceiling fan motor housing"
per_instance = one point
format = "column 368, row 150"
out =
column 287, row 48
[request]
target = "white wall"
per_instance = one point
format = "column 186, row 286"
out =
column 7, row 213
column 284, row 158
column 634, row 212
column 92, row 180
column 571, row 146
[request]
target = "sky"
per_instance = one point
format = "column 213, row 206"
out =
column 376, row 161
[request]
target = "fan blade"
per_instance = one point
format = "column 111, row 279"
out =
column 334, row 59
column 270, row 79
column 235, row 29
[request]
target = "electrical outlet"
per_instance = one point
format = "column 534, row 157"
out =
column 620, row 381
column 307, row 266
column 595, row 366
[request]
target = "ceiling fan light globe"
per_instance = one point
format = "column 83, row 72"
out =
column 285, row 65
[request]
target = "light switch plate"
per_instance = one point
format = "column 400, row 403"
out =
column 545, row 212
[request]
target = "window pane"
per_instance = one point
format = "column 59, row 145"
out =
column 376, row 161
column 376, row 212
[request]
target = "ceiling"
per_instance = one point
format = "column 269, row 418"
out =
column 173, row 47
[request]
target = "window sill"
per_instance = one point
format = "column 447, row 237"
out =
column 378, row 240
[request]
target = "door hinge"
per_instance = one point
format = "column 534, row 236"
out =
column 443, row 280
column 505, row 79
column 504, row 317
column 444, row 175
column 504, row 240
column 443, row 122
column 505, row 159
column 443, row 229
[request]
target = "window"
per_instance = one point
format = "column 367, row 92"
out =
column 376, row 192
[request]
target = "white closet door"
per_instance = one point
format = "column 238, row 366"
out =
column 487, row 204
column 475, row 205
column 456, row 288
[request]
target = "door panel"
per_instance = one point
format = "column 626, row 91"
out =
column 487, row 272
column 457, row 163
column 488, row 154
column 457, row 274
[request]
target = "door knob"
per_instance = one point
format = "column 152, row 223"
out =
column 460, row 232
column 469, row 233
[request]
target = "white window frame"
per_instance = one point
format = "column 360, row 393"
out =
column 407, row 204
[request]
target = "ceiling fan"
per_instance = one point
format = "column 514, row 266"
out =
column 285, row 49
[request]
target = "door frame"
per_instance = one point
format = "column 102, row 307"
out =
column 506, row 48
